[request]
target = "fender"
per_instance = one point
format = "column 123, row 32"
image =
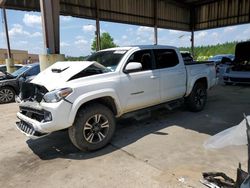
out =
column 191, row 83
column 86, row 97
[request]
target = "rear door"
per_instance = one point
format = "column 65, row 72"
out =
column 172, row 74
column 141, row 89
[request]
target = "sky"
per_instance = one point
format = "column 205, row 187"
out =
column 77, row 34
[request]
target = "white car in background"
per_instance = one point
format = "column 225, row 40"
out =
column 239, row 70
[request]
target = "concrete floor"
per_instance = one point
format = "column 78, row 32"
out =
column 160, row 151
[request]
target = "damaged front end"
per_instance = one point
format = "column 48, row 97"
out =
column 32, row 92
column 40, row 115
column 30, row 111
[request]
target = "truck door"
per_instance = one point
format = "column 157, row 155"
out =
column 172, row 74
column 141, row 89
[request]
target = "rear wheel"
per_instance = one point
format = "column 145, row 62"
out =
column 197, row 99
column 93, row 128
column 7, row 94
column 228, row 83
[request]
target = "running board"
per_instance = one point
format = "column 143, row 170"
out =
column 146, row 112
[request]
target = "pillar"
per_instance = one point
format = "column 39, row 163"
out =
column 98, row 35
column 9, row 61
column 10, row 65
column 155, row 36
column 50, row 12
column 192, row 43
column 192, row 23
column 49, row 59
column 155, row 22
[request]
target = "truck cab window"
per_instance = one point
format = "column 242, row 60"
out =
column 144, row 57
column 165, row 58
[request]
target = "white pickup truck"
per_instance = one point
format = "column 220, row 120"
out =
column 87, row 96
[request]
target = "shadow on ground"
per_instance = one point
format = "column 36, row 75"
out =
column 224, row 109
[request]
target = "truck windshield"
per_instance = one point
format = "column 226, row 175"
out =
column 109, row 59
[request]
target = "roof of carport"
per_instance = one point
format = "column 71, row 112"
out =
column 186, row 15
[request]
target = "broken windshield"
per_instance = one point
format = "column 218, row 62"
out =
column 109, row 59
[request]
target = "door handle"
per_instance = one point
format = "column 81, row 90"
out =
column 153, row 77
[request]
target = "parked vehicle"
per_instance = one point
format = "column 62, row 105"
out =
column 221, row 62
column 239, row 71
column 10, row 83
column 217, row 59
column 3, row 68
column 87, row 96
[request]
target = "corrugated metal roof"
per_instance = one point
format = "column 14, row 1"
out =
column 222, row 13
column 180, row 14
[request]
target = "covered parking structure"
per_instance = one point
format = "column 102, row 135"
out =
column 185, row 15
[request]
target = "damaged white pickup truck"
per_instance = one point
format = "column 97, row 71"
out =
column 87, row 96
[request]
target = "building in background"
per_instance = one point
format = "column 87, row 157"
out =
column 19, row 56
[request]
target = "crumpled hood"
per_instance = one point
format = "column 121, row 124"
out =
column 57, row 74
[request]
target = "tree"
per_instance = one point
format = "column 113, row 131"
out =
column 106, row 42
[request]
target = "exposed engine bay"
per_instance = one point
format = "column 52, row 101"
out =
column 242, row 57
column 32, row 92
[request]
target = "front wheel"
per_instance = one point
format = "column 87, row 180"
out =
column 197, row 99
column 7, row 94
column 93, row 128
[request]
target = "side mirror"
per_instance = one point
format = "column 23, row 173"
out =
column 133, row 67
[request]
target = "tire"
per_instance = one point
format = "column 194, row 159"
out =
column 197, row 99
column 7, row 95
column 228, row 83
column 93, row 128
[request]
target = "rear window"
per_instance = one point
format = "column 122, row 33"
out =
column 165, row 58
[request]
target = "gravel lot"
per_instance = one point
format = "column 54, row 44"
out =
column 154, row 152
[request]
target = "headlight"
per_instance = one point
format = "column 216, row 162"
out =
column 57, row 94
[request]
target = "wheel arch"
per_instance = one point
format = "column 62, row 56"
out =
column 109, row 100
column 202, row 80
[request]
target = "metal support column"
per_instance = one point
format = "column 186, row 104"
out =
column 98, row 37
column 50, row 20
column 6, row 32
column 97, row 32
column 192, row 43
column 50, row 10
column 155, row 23
column 155, row 36
column 192, row 22
column 9, row 60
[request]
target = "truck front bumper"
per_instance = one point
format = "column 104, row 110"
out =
column 40, row 119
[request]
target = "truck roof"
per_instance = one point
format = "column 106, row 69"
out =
column 141, row 47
